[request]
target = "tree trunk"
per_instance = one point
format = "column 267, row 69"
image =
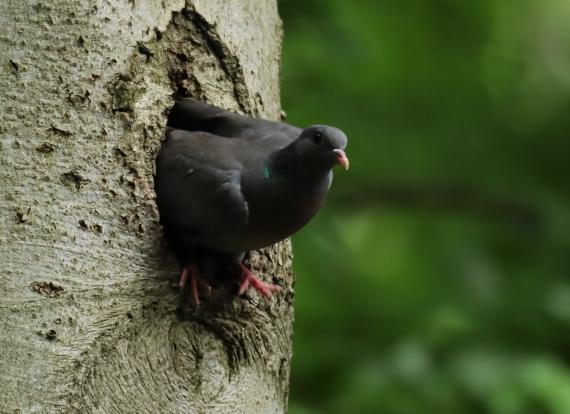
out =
column 92, row 320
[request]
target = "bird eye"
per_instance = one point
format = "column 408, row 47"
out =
column 317, row 137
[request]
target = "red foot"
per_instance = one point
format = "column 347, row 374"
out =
column 266, row 289
column 194, row 274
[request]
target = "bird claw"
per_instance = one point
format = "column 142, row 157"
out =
column 192, row 272
column 266, row 289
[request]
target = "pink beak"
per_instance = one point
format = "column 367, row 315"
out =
column 341, row 158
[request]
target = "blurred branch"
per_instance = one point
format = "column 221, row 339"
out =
column 448, row 198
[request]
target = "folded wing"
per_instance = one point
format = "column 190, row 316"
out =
column 198, row 185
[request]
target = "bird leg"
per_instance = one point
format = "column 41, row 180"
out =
column 247, row 278
column 192, row 272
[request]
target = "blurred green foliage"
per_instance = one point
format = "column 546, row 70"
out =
column 437, row 278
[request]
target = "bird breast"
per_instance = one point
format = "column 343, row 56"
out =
column 279, row 210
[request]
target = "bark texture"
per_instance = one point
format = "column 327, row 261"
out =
column 91, row 317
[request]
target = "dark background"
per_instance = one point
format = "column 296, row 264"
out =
column 436, row 279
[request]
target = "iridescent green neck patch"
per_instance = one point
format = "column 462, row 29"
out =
column 266, row 173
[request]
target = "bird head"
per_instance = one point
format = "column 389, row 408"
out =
column 321, row 146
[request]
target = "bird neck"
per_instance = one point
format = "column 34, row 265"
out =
column 284, row 164
column 280, row 162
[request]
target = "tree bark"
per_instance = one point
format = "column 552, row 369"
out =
column 92, row 320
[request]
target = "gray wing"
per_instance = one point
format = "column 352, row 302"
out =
column 198, row 185
column 192, row 115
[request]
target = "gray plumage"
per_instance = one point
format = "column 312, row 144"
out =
column 231, row 183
